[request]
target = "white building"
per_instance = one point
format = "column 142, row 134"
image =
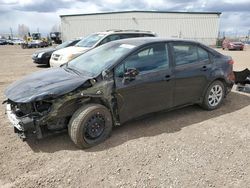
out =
column 199, row 26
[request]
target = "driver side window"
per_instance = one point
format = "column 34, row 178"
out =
column 151, row 58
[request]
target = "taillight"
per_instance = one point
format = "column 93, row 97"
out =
column 231, row 62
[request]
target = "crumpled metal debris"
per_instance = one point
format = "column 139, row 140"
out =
column 242, row 79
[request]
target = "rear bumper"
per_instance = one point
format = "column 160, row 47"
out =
column 229, row 86
column 236, row 47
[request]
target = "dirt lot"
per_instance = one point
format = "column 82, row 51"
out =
column 189, row 147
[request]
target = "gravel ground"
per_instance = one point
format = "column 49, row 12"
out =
column 189, row 147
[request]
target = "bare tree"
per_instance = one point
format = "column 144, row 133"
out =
column 23, row 30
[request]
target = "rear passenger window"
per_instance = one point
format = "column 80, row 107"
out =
column 126, row 36
column 203, row 54
column 185, row 54
column 146, row 35
column 109, row 39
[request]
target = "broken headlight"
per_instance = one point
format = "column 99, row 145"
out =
column 22, row 109
column 42, row 106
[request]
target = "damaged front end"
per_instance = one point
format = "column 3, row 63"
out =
column 44, row 102
column 25, row 117
column 42, row 111
column 44, row 117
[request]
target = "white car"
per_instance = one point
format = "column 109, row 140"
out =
column 17, row 41
column 64, row 55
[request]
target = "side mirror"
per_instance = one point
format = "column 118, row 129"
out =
column 105, row 74
column 130, row 74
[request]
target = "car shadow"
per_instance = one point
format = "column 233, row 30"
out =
column 147, row 126
column 42, row 66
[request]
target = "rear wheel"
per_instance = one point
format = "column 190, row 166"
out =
column 90, row 125
column 214, row 96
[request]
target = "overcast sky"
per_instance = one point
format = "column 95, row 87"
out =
column 43, row 14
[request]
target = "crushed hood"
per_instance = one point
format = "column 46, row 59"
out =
column 44, row 84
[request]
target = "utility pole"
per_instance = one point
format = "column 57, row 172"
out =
column 236, row 34
column 248, row 35
column 11, row 33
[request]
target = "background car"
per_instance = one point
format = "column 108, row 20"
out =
column 17, row 41
column 43, row 56
column 37, row 44
column 232, row 45
column 94, row 40
column 117, row 82
column 9, row 42
column 3, row 42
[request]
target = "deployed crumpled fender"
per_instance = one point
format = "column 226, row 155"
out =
column 242, row 79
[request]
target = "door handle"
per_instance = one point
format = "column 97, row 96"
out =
column 204, row 68
column 167, row 78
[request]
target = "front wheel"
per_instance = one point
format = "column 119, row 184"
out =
column 90, row 125
column 214, row 96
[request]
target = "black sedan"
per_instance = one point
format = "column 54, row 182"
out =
column 43, row 56
column 116, row 82
column 3, row 42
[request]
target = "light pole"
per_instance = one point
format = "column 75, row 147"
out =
column 248, row 35
column 11, row 33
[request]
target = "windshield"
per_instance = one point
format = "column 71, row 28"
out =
column 99, row 59
column 90, row 40
column 63, row 45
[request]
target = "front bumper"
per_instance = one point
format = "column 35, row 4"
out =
column 13, row 119
column 40, row 60
column 22, row 126
column 56, row 63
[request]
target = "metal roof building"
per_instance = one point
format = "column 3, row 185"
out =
column 198, row 26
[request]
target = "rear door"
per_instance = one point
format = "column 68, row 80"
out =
column 192, row 69
column 152, row 88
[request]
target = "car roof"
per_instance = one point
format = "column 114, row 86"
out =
column 147, row 40
column 125, row 32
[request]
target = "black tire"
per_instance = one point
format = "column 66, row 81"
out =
column 48, row 64
column 84, row 119
column 24, row 46
column 207, row 101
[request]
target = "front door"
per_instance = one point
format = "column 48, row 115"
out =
column 152, row 89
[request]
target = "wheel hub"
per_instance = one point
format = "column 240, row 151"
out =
column 95, row 126
column 215, row 95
